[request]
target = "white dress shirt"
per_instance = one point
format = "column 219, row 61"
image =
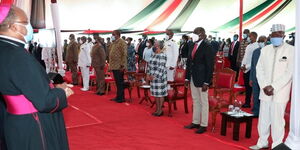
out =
column 248, row 55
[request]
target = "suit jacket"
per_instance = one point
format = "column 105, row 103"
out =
column 200, row 68
column 184, row 49
column 141, row 48
column 233, row 57
column 255, row 57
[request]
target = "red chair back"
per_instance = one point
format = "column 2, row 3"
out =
column 225, row 78
column 142, row 67
column 179, row 75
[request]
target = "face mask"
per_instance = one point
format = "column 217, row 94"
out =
column 261, row 44
column 248, row 39
column 167, row 37
column 209, row 39
column 80, row 42
column 235, row 38
column 245, row 36
column 277, row 41
column 113, row 38
column 29, row 36
column 195, row 37
column 147, row 44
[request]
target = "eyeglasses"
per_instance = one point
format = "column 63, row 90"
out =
column 22, row 22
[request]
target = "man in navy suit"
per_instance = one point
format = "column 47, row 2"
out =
column 199, row 73
column 253, row 80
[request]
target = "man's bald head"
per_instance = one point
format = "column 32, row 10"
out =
column 12, row 25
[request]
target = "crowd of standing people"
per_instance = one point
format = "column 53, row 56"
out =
column 266, row 64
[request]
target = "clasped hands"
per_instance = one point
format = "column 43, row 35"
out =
column 269, row 90
column 65, row 87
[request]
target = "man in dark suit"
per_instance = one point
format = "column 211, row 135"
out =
column 233, row 51
column 199, row 73
column 142, row 47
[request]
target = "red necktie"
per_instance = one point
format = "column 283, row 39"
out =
column 232, row 47
column 194, row 50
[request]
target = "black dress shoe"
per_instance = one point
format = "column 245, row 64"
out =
column 75, row 83
column 100, row 94
column 246, row 106
column 120, row 101
column 158, row 115
column 192, row 126
column 201, row 130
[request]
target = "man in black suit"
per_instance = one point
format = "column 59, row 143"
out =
column 184, row 49
column 199, row 73
column 142, row 47
column 233, row 52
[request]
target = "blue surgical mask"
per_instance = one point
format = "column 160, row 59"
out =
column 245, row 36
column 277, row 41
column 29, row 36
column 113, row 38
column 235, row 38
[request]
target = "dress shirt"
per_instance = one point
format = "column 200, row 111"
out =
column 248, row 55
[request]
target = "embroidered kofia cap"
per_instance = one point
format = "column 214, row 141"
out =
column 4, row 9
column 278, row 27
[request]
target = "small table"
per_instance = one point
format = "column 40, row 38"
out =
column 237, row 120
column 146, row 97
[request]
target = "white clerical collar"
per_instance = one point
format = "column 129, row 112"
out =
column 13, row 39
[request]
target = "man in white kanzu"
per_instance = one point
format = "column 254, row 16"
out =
column 84, row 62
column 274, row 72
column 172, row 51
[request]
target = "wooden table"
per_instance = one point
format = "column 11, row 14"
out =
column 236, row 127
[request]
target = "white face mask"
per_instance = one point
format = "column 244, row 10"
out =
column 167, row 37
column 80, row 42
column 113, row 38
column 195, row 37
column 261, row 44
column 147, row 44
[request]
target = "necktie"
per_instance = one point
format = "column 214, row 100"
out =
column 232, row 47
column 194, row 50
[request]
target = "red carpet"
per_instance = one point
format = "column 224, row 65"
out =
column 94, row 122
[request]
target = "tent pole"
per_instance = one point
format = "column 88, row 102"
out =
column 56, row 25
column 241, row 21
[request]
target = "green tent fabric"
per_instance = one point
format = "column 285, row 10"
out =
column 291, row 29
column 143, row 14
column 183, row 16
column 246, row 16
column 272, row 15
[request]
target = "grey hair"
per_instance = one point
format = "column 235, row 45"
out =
column 10, row 18
column 161, row 44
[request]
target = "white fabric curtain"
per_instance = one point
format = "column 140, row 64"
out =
column 25, row 5
column 293, row 140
